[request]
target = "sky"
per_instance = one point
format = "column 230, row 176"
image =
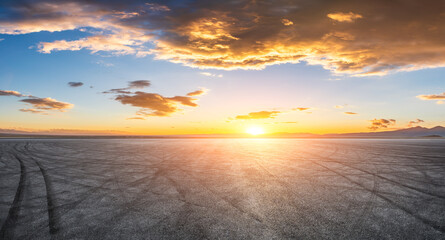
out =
column 217, row 67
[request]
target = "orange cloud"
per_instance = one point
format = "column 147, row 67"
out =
column 40, row 105
column 415, row 122
column 301, row 109
column 258, row 115
column 31, row 110
column 46, row 104
column 340, row 106
column 200, row 92
column 344, row 17
column 249, row 34
column 153, row 104
column 350, row 113
column 377, row 124
column 286, row 22
column 136, row 118
column 439, row 97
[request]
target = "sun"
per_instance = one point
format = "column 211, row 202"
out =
column 255, row 130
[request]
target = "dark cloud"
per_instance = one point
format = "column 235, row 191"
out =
column 10, row 93
column 369, row 37
column 138, row 84
column 377, row 124
column 75, row 84
column 415, row 122
column 258, row 115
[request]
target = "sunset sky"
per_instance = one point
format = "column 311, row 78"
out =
column 204, row 67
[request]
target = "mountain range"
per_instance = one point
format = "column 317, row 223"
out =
column 414, row 132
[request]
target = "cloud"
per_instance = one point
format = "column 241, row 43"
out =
column 105, row 64
column 31, row 110
column 75, row 84
column 211, row 74
column 136, row 118
column 258, row 115
column 10, row 93
column 286, row 22
column 138, row 84
column 350, row 113
column 439, row 97
column 47, row 104
column 153, row 104
column 39, row 105
column 377, row 124
column 344, row 17
column 202, row 91
column 157, row 7
column 247, row 34
column 340, row 106
column 415, row 122
column 301, row 109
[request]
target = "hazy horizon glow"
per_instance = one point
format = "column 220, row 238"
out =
column 209, row 67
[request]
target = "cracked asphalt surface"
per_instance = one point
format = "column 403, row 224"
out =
column 222, row 189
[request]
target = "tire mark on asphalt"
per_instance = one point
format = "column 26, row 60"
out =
column 7, row 230
column 380, row 176
column 404, row 209
column 53, row 218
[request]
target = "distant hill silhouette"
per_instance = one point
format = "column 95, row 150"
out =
column 401, row 133
column 414, row 132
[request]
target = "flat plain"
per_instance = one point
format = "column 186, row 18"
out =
column 222, row 189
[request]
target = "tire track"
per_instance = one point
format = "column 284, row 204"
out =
column 399, row 206
column 397, row 183
column 53, row 218
column 7, row 230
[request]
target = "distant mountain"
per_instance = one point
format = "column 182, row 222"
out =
column 413, row 132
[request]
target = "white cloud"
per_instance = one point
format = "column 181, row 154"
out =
column 211, row 74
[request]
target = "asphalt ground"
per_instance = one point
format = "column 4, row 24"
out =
column 222, row 189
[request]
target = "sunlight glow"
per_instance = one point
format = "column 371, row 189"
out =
column 255, row 130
